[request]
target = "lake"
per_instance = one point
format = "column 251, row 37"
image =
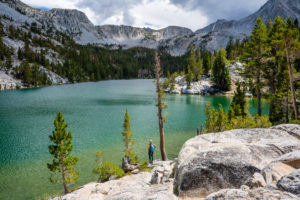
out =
column 95, row 113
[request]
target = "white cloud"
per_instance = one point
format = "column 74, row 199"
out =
column 161, row 13
column 70, row 4
column 193, row 14
column 221, row 9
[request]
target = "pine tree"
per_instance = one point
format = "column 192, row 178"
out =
column 229, row 48
column 275, row 74
column 172, row 81
column 160, row 106
column 35, row 74
column 291, row 44
column 2, row 49
column 206, row 63
column 238, row 106
column 255, row 53
column 127, row 138
column 27, row 73
column 216, row 120
column 211, row 117
column 189, row 77
column 220, row 73
column 61, row 150
column 283, row 43
column 221, row 119
column 199, row 67
column 20, row 54
column 191, row 61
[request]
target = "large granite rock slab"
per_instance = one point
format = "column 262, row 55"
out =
column 259, row 193
column 130, row 187
column 216, row 161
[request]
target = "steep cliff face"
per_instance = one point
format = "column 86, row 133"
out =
column 128, row 36
column 74, row 23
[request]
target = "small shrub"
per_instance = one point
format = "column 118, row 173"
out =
column 218, row 120
column 172, row 175
column 295, row 121
column 18, row 87
column 166, row 84
column 108, row 169
column 143, row 166
column 249, row 122
column 48, row 196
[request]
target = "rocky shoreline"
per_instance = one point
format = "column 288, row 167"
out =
column 205, row 85
column 236, row 164
column 8, row 82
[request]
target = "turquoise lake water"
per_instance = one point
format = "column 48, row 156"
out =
column 95, row 113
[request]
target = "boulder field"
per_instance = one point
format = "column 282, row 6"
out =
column 236, row 164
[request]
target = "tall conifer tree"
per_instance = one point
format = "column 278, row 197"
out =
column 127, row 138
column 220, row 73
column 206, row 63
column 61, row 150
column 291, row 45
column 255, row 53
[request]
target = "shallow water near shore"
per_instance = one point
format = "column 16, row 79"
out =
column 95, row 114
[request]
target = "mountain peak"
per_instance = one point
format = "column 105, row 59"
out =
column 174, row 38
column 273, row 8
column 71, row 14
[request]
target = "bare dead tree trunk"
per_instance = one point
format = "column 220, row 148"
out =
column 287, row 120
column 160, row 108
column 291, row 82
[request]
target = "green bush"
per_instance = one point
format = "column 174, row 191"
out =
column 108, row 169
column 218, row 120
column 143, row 166
column 249, row 122
column 295, row 121
column 18, row 87
column 166, row 84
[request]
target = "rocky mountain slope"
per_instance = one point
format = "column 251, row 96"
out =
column 39, row 48
column 47, row 39
column 232, row 165
column 242, row 28
column 175, row 40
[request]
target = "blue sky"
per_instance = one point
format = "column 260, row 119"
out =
column 43, row 8
column 193, row 14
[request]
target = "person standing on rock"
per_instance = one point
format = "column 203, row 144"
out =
column 151, row 148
